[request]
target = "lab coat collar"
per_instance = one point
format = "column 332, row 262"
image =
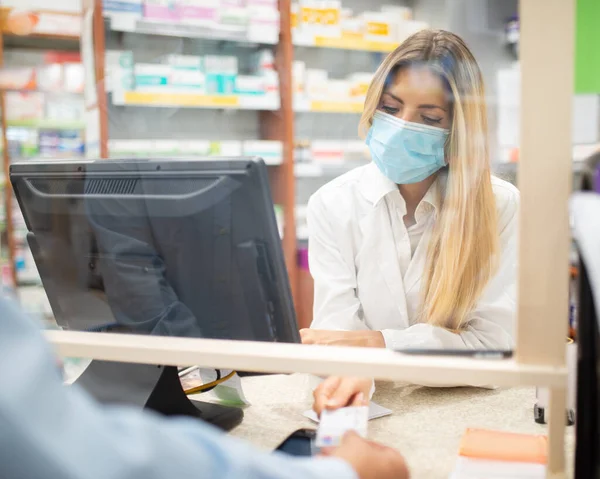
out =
column 375, row 186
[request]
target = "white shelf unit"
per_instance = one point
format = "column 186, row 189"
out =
column 231, row 33
column 265, row 102
column 127, row 23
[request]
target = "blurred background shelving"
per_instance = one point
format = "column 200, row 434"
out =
column 280, row 79
column 41, row 85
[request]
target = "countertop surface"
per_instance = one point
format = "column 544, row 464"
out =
column 426, row 425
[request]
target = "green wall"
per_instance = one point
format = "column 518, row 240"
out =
column 587, row 47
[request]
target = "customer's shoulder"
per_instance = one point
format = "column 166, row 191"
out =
column 507, row 196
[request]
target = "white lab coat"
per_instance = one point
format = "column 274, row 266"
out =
column 359, row 284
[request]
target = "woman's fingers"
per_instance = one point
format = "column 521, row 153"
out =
column 359, row 400
column 324, row 391
column 343, row 394
column 336, row 392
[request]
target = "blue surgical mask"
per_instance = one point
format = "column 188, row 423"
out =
column 403, row 151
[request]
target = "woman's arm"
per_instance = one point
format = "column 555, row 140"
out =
column 336, row 306
column 337, row 311
column 491, row 324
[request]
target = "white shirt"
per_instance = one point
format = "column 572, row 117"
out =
column 423, row 215
column 367, row 275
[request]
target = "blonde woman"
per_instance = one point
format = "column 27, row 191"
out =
column 418, row 249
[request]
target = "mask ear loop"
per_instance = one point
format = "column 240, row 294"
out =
column 447, row 147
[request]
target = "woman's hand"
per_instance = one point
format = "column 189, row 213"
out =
column 369, row 339
column 336, row 392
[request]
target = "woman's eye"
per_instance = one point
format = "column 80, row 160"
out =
column 390, row 109
column 432, row 121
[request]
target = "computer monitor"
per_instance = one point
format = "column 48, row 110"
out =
column 166, row 247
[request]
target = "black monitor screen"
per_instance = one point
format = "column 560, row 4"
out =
column 169, row 247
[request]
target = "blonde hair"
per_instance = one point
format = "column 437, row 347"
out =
column 462, row 254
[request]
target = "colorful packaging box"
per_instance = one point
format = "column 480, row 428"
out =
column 166, row 10
column 250, row 85
column 151, row 77
column 199, row 12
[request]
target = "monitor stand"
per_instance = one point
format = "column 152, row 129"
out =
column 153, row 387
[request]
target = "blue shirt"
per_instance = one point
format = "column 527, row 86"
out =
column 49, row 431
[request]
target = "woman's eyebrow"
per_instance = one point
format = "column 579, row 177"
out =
column 397, row 98
column 431, row 107
column 426, row 106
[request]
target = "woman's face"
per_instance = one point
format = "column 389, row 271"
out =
column 417, row 95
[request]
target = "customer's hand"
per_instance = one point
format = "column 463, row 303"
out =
column 336, row 392
column 369, row 459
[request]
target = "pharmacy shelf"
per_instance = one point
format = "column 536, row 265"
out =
column 179, row 155
column 241, row 34
column 45, row 92
column 307, row 170
column 343, row 43
column 316, row 169
column 232, row 33
column 270, row 151
column 194, row 100
column 233, row 102
column 47, row 124
column 42, row 42
column 324, row 106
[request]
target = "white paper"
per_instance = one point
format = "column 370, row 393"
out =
column 375, row 411
column 469, row 468
column 229, row 392
column 334, row 424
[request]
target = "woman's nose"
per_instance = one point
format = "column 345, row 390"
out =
column 409, row 115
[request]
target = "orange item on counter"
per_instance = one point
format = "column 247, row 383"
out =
column 504, row 446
